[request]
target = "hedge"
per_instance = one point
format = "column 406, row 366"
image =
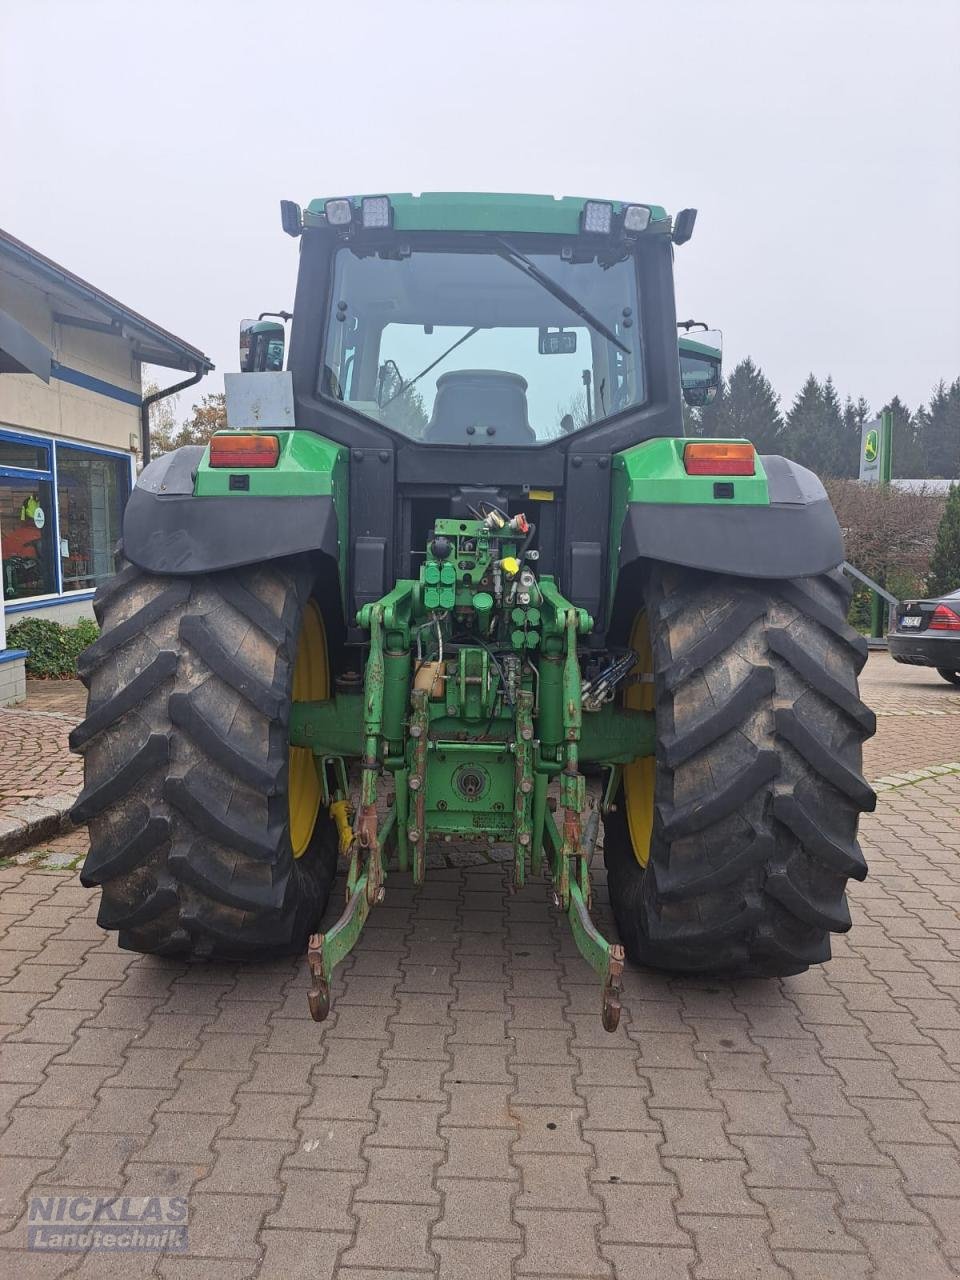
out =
column 52, row 649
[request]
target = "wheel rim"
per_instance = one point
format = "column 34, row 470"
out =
column 639, row 777
column 311, row 683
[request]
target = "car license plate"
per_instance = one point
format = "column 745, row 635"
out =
column 911, row 622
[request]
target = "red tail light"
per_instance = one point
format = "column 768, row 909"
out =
column 253, row 450
column 944, row 619
column 728, row 459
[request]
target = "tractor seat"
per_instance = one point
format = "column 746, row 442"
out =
column 480, row 406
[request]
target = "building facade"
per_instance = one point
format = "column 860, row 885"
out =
column 71, row 410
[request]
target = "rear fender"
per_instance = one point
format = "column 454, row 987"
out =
column 167, row 529
column 778, row 524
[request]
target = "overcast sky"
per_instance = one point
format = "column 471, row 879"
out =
column 146, row 146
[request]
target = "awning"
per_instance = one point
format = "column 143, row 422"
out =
column 20, row 351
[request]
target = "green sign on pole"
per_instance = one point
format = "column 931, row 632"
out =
column 876, row 467
column 875, row 449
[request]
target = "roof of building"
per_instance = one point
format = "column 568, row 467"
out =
column 152, row 343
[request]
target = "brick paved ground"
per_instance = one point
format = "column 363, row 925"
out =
column 463, row 1115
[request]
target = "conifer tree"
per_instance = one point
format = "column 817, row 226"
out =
column 803, row 431
column 907, row 440
column 855, row 414
column 945, row 564
column 752, row 408
column 941, row 432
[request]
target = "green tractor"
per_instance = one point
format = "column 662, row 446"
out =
column 455, row 574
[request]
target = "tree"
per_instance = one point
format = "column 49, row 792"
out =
column 888, row 532
column 854, row 416
column 907, row 440
column 803, row 431
column 945, row 562
column 752, row 408
column 941, row 432
column 401, row 408
column 713, row 418
column 208, row 416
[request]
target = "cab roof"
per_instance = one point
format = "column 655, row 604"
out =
column 488, row 211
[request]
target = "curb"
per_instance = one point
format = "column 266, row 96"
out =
column 24, row 824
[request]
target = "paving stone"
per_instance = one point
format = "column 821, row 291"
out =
column 280, row 1073
column 123, row 1111
column 628, row 1157
column 342, row 1099
column 840, row 1139
column 39, row 1131
column 871, row 1195
column 315, row 1200
column 96, row 1160
column 226, row 1226
column 207, row 1092
column 390, row 1240
column 69, row 1086
column 408, row 1079
column 400, row 1176
column 476, row 1209
column 650, row 1262
column 330, row 1145
column 780, row 1162
column 472, row 1260
column 408, row 1124
column 818, row 1266
column 927, row 1171
column 899, row 1121
column 480, row 1105
column 945, row 1213
column 806, row 1220
column 247, row 1167
column 560, row 1244
column 479, row 1064
column 733, row 1249
column 640, row 1215
column 352, row 1058
column 688, row 1090
column 556, row 1182
column 182, row 1136
column 478, row 1153
column 712, row 1186
column 899, row 1250
column 618, row 1108
column 300, row 1254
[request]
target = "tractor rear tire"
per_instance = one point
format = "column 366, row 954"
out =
column 186, row 765
column 757, row 786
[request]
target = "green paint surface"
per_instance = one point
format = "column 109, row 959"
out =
column 308, row 465
column 490, row 211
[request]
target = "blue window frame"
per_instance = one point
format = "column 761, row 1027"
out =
column 59, row 517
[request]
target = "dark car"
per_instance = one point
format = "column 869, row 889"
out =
column 928, row 635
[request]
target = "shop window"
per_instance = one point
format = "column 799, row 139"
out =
column 24, row 453
column 26, row 536
column 92, row 490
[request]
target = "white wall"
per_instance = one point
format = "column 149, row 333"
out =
column 59, row 408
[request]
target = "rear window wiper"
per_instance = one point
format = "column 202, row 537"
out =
column 523, row 263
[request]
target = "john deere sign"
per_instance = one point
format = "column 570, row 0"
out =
column 875, row 450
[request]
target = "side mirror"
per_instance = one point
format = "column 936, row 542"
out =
column 262, row 345
column 701, row 359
